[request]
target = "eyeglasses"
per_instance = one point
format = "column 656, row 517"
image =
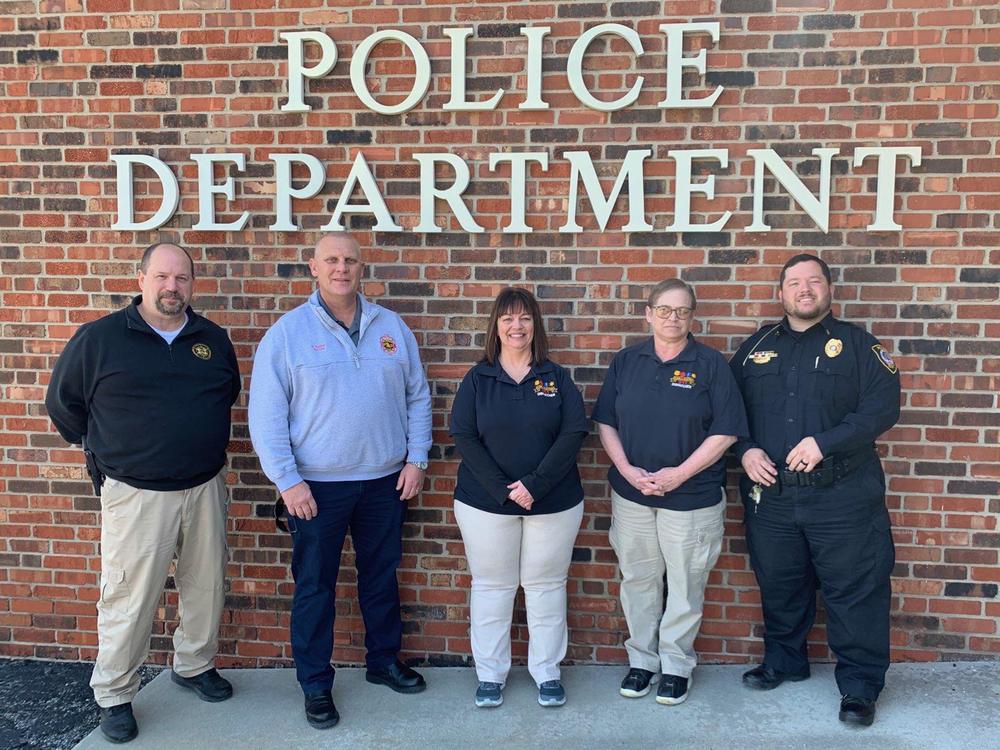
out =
column 665, row 311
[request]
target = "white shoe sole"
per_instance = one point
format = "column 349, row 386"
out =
column 625, row 692
column 666, row 701
column 551, row 702
column 488, row 702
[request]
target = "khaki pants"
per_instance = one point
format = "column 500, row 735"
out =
column 504, row 552
column 649, row 542
column 140, row 532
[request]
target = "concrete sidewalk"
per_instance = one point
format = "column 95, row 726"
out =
column 924, row 706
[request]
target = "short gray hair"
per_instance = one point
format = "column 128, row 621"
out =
column 668, row 285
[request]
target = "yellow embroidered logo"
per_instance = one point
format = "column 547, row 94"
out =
column 683, row 379
column 201, row 351
column 545, row 389
column 762, row 358
column 388, row 345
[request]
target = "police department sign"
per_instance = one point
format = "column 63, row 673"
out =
column 581, row 167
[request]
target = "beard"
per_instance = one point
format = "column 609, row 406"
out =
column 816, row 313
column 170, row 304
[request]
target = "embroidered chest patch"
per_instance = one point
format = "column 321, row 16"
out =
column 762, row 358
column 388, row 344
column 545, row 388
column 683, row 379
column 201, row 351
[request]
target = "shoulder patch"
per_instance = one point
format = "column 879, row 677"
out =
column 885, row 358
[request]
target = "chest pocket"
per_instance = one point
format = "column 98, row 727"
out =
column 762, row 384
column 834, row 381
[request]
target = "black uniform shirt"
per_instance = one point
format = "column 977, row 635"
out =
column 529, row 431
column 833, row 382
column 663, row 411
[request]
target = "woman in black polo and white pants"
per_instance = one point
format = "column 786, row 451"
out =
column 668, row 410
column 518, row 422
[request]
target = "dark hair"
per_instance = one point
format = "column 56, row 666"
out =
column 805, row 258
column 515, row 299
column 668, row 285
column 148, row 253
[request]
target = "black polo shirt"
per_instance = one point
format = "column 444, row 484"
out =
column 834, row 382
column 663, row 412
column 529, row 431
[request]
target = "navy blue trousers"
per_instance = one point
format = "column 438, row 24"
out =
column 373, row 512
column 837, row 539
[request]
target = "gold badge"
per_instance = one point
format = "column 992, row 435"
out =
column 762, row 358
column 201, row 351
column 833, row 347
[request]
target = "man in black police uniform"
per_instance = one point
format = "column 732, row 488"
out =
column 818, row 393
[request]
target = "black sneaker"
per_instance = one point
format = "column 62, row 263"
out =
column 636, row 683
column 118, row 723
column 672, row 689
column 210, row 685
column 489, row 695
column 551, row 693
column 320, row 711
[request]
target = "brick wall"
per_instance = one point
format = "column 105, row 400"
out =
column 83, row 79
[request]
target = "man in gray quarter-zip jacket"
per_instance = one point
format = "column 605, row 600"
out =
column 340, row 415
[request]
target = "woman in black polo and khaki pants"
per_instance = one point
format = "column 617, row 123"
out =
column 668, row 410
column 518, row 421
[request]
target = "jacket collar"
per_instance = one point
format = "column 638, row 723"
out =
column 134, row 320
column 369, row 311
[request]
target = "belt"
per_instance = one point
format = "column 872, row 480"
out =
column 828, row 472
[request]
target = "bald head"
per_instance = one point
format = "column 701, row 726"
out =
column 336, row 266
column 147, row 255
column 338, row 241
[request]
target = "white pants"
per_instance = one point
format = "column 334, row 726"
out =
column 140, row 532
column 686, row 545
column 503, row 552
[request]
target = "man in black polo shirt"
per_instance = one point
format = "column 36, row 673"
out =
column 818, row 392
column 149, row 390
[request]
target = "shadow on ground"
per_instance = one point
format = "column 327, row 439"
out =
column 48, row 705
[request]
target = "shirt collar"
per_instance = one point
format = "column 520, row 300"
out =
column 687, row 354
column 827, row 324
column 496, row 371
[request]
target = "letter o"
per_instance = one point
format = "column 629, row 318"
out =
column 421, row 80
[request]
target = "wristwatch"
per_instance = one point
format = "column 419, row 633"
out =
column 422, row 465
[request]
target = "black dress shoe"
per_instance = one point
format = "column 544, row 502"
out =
column 320, row 711
column 398, row 676
column 765, row 678
column 210, row 686
column 118, row 723
column 854, row 710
